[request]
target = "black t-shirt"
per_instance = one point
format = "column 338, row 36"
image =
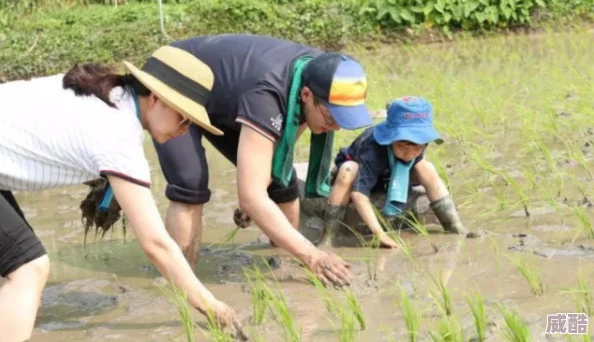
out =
column 251, row 79
column 374, row 164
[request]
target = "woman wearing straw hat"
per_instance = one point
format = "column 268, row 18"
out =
column 69, row 129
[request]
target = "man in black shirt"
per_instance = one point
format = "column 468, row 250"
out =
column 249, row 104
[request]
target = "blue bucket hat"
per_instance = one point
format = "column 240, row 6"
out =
column 409, row 118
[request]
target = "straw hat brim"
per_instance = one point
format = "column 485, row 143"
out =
column 189, row 109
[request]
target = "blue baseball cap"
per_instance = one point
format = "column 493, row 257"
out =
column 340, row 81
column 409, row 118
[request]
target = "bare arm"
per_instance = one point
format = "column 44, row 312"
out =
column 141, row 210
column 365, row 210
column 253, row 178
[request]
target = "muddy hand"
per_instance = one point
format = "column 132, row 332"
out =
column 241, row 219
column 331, row 269
column 226, row 317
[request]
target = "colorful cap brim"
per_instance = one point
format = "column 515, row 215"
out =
column 351, row 117
column 385, row 134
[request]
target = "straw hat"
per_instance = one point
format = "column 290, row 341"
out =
column 180, row 80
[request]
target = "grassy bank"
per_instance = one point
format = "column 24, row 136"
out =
column 39, row 37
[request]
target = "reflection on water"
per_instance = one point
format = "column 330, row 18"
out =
column 108, row 290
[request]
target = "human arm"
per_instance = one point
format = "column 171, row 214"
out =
column 253, row 178
column 365, row 209
column 142, row 213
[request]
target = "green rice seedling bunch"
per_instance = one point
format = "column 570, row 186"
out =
column 515, row 329
column 582, row 297
column 412, row 317
column 280, row 308
column 443, row 297
column 259, row 294
column 283, row 316
column 180, row 301
column 531, row 275
column 355, row 308
column 329, row 301
column 448, row 330
column 477, row 308
column 585, row 224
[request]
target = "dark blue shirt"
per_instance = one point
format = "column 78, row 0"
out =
column 251, row 79
column 374, row 165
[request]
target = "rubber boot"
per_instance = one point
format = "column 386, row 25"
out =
column 445, row 210
column 333, row 217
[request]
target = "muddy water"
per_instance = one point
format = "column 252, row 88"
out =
column 107, row 290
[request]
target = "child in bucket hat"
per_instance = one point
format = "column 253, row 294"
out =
column 389, row 157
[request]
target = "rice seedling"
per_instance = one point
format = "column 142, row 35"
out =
column 180, row 301
column 495, row 245
column 515, row 329
column 329, row 302
column 582, row 296
column 413, row 222
column 448, row 330
column 403, row 245
column 259, row 294
column 347, row 326
column 216, row 330
column 477, row 308
column 488, row 167
column 229, row 237
column 283, row 316
column 355, row 307
column 585, row 224
column 531, row 275
column 412, row 317
column 443, row 297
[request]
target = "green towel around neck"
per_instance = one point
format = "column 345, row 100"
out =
column 317, row 183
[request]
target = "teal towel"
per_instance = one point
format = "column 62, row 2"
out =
column 318, row 170
column 317, row 183
column 398, row 187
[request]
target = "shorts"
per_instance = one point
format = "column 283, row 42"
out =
column 184, row 165
column 18, row 243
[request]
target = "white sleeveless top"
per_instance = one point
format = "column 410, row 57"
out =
column 50, row 138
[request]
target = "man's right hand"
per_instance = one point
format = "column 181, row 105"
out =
column 330, row 269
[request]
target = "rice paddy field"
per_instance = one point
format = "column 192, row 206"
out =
column 517, row 117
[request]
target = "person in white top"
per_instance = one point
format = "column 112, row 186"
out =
column 84, row 125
